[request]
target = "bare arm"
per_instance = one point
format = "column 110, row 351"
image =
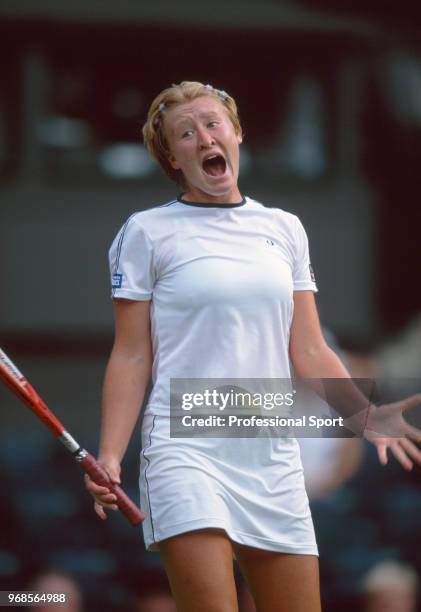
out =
column 310, row 355
column 312, row 358
column 126, row 379
column 314, row 361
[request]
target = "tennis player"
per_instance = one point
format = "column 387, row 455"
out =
column 215, row 285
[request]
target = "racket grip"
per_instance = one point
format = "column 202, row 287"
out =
column 97, row 473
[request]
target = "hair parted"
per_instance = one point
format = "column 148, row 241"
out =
column 153, row 130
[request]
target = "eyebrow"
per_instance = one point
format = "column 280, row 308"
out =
column 206, row 115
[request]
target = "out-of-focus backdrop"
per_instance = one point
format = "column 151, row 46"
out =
column 330, row 101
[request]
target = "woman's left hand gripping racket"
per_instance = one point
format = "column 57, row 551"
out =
column 17, row 383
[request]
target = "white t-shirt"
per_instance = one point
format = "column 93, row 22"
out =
column 220, row 279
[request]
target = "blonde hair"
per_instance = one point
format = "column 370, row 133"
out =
column 153, row 130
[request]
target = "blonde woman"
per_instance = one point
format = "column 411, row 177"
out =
column 214, row 285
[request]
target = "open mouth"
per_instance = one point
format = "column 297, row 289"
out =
column 215, row 165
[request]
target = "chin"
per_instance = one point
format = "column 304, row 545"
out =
column 219, row 190
column 221, row 195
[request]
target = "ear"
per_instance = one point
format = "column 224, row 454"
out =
column 240, row 137
column 174, row 163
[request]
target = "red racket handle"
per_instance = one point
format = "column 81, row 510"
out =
column 97, row 473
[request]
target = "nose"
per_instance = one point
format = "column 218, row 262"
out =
column 205, row 139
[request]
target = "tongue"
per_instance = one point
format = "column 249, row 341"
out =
column 215, row 166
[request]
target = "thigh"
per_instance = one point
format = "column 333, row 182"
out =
column 199, row 565
column 280, row 582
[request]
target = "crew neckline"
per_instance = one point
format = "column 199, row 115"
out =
column 211, row 204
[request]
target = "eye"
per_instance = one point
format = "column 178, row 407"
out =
column 212, row 124
column 186, row 133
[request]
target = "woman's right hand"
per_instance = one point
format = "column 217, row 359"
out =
column 103, row 497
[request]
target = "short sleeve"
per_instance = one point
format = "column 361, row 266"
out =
column 303, row 275
column 131, row 263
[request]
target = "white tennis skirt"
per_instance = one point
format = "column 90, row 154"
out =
column 252, row 488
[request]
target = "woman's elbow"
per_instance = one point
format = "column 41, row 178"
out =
column 305, row 356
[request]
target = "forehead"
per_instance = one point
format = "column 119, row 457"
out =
column 193, row 109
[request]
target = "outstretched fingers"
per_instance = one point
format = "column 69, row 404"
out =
column 382, row 452
column 411, row 449
column 403, row 449
column 401, row 455
column 413, row 432
column 411, row 402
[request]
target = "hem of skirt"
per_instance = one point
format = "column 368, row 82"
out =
column 238, row 537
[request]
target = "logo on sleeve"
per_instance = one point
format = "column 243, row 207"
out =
column 312, row 276
column 116, row 281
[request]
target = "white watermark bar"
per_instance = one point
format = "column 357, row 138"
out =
column 238, row 408
column 32, row 598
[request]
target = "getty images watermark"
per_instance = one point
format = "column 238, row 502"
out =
column 233, row 408
column 233, row 398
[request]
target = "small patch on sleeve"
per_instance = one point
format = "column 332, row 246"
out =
column 116, row 281
column 312, row 275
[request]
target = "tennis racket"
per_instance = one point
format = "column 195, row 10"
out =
column 18, row 384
